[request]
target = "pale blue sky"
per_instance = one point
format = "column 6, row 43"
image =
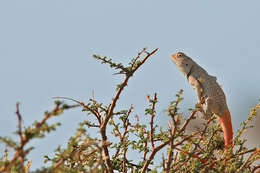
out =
column 46, row 48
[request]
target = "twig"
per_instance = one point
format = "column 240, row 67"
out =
column 151, row 119
column 145, row 150
column 112, row 106
column 159, row 147
column 183, row 127
column 122, row 137
column 170, row 157
column 24, row 138
column 124, row 158
column 256, row 168
column 120, row 89
column 134, row 165
column 249, row 151
column 246, row 161
column 19, row 132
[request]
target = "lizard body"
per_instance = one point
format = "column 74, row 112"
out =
column 208, row 91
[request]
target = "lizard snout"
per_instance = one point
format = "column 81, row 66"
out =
column 173, row 57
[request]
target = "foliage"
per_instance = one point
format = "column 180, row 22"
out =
column 199, row 151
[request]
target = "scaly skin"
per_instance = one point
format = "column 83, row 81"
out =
column 208, row 91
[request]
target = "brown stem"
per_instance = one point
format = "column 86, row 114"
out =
column 122, row 137
column 112, row 106
column 151, row 120
column 19, row 132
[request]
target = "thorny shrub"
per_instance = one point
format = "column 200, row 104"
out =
column 157, row 149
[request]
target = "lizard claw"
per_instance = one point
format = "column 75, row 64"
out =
column 202, row 100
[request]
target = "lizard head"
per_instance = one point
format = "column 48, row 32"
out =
column 183, row 62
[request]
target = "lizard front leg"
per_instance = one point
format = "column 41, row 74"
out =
column 199, row 92
column 209, row 107
column 198, row 88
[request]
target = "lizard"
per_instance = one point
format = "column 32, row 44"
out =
column 208, row 92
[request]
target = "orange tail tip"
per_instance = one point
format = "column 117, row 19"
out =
column 226, row 125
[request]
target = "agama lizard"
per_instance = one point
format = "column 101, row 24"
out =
column 208, row 92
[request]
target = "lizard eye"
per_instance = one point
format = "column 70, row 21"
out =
column 179, row 54
column 186, row 64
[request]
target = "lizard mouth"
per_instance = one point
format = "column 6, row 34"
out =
column 173, row 58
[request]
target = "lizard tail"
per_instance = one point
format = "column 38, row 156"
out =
column 226, row 125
